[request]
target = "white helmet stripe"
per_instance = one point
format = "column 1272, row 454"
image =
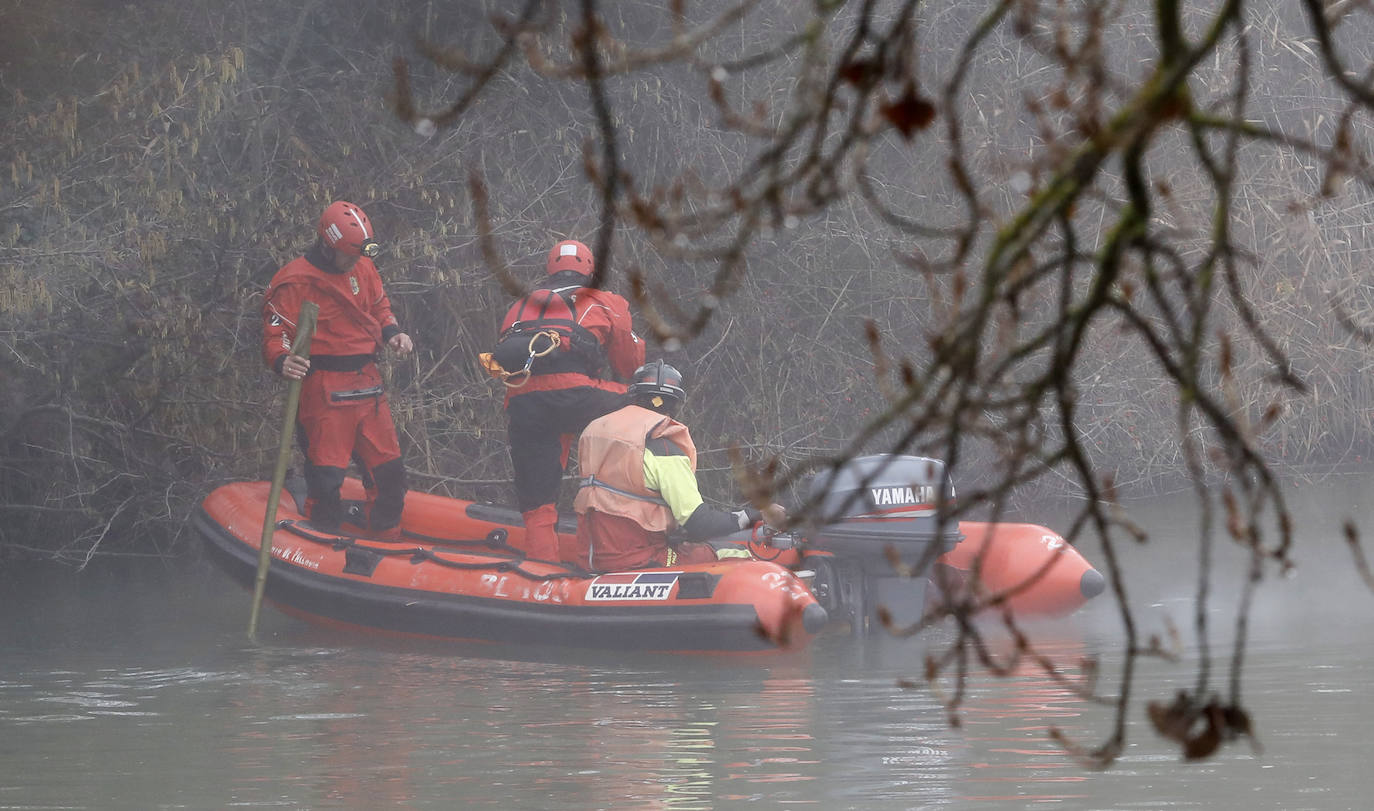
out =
column 362, row 224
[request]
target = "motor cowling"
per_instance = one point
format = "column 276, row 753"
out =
column 871, row 502
column 865, row 509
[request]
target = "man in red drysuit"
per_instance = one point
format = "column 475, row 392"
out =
column 564, row 388
column 344, row 413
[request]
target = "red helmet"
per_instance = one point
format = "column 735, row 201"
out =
column 571, row 255
column 345, row 228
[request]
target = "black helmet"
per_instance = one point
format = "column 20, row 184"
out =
column 658, row 385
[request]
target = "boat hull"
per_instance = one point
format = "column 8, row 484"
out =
column 452, row 577
column 1026, row 567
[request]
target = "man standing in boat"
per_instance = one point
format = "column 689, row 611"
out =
column 344, row 413
column 639, row 482
column 555, row 346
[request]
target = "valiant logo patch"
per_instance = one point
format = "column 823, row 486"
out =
column 353, row 284
column 898, row 496
column 630, row 586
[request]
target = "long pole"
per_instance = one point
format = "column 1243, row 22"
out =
column 305, row 330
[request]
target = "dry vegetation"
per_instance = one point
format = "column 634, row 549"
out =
column 1071, row 248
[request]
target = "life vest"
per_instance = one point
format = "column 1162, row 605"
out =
column 541, row 334
column 610, row 454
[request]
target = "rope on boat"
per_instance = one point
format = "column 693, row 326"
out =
column 496, row 539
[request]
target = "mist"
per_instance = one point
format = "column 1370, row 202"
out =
column 1100, row 258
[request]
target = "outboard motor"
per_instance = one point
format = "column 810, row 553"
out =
column 868, row 506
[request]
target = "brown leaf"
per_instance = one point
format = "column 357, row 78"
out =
column 1205, row 742
column 1175, row 106
column 909, row 113
column 1238, row 721
column 859, row 72
column 1171, row 720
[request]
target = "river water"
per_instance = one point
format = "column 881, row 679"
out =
column 133, row 686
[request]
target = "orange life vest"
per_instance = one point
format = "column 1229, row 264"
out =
column 611, row 457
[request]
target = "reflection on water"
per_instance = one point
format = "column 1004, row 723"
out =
column 128, row 690
column 1011, row 721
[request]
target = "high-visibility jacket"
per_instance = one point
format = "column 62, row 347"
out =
column 614, row 455
column 610, row 456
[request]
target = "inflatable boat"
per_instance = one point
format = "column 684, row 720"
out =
column 457, row 572
column 455, row 575
column 1030, row 569
column 875, row 516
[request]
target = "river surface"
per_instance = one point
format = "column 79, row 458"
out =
column 134, row 686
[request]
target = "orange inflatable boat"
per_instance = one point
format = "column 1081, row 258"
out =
column 1032, row 568
column 874, row 510
column 454, row 575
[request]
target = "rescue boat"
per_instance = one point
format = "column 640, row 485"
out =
column 876, row 515
column 454, row 575
column 457, row 574
column 1029, row 568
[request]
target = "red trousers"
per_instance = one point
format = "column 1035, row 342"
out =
column 345, row 416
column 613, row 543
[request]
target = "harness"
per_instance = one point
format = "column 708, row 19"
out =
column 542, row 335
column 521, row 376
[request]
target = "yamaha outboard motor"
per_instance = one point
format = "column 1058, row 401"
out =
column 868, row 508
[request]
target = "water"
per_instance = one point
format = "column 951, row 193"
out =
column 132, row 687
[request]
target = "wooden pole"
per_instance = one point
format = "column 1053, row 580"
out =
column 305, row 330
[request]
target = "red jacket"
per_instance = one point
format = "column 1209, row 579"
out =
column 607, row 316
column 355, row 314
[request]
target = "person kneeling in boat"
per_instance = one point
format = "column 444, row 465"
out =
column 639, row 483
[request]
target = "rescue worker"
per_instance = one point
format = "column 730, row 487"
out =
column 344, row 413
column 562, row 390
column 639, row 483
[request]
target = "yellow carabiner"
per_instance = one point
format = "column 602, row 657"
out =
column 552, row 336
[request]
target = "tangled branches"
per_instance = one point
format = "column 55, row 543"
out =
column 1065, row 190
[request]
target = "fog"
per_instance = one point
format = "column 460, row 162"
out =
column 1083, row 257
column 768, row 308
